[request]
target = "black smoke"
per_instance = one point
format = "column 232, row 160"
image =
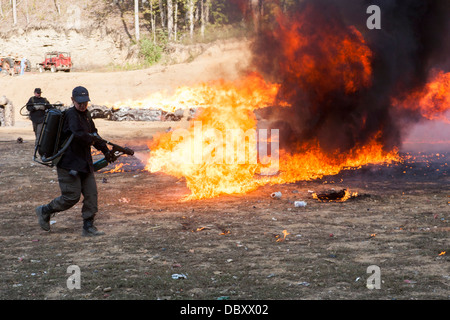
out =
column 413, row 39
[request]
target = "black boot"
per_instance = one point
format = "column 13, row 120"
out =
column 89, row 230
column 44, row 212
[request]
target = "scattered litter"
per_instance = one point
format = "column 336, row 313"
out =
column 108, row 289
column 304, row 283
column 124, row 200
column 223, row 298
column 276, row 195
column 52, row 222
column 177, row 276
column 19, row 140
column 410, row 281
column 300, row 204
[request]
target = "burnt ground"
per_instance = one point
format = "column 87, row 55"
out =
column 229, row 247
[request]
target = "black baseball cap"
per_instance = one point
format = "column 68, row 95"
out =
column 80, row 94
column 37, row 90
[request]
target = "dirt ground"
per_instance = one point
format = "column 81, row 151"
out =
column 231, row 247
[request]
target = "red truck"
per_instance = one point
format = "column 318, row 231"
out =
column 56, row 61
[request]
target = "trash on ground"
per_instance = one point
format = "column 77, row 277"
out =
column 300, row 204
column 276, row 195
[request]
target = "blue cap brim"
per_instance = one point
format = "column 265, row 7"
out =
column 82, row 99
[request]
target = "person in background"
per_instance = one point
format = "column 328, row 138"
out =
column 23, row 65
column 36, row 106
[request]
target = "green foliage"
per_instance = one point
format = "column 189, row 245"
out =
column 150, row 52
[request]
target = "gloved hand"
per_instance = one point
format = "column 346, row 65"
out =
column 39, row 107
column 110, row 157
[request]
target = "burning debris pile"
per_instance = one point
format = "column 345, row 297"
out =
column 335, row 196
column 325, row 94
column 127, row 113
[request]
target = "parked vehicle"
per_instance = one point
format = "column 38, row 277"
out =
column 56, row 61
column 12, row 65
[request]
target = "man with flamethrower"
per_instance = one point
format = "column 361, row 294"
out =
column 75, row 167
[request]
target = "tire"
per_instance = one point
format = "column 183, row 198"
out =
column 53, row 68
column 41, row 69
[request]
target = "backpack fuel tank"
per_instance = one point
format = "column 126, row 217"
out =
column 49, row 146
column 49, row 137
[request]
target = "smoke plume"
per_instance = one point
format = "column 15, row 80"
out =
column 340, row 77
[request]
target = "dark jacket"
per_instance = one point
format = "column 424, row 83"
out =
column 37, row 116
column 78, row 155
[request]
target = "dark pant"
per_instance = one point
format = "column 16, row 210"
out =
column 72, row 187
column 37, row 127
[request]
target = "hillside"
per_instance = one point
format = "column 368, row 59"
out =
column 222, row 60
column 90, row 30
column 97, row 33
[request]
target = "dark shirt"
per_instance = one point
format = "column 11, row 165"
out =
column 37, row 116
column 78, row 155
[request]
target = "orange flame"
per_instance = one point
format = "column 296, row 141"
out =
column 221, row 152
column 285, row 234
column 218, row 170
column 345, row 58
column 432, row 101
column 204, row 154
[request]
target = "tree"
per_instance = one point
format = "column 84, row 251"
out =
column 170, row 19
column 202, row 18
column 136, row 19
column 161, row 10
column 14, row 11
column 191, row 18
column 175, row 21
column 153, row 21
